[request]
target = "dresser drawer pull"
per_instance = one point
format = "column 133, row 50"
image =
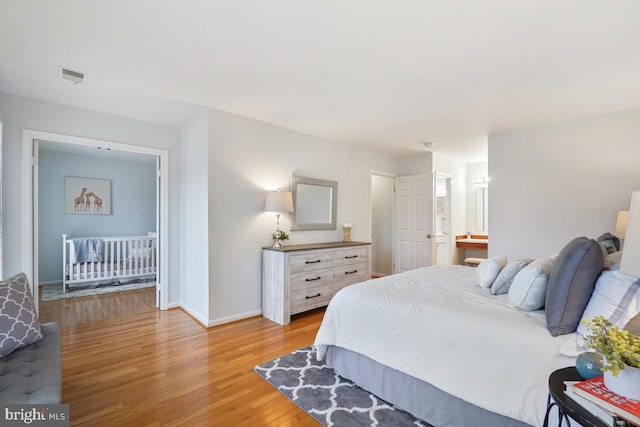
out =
column 350, row 272
column 351, row 256
column 313, row 262
column 311, row 280
column 311, row 296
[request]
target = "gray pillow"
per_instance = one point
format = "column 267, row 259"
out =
column 503, row 282
column 571, row 284
column 19, row 325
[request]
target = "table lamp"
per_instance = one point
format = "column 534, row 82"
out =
column 278, row 202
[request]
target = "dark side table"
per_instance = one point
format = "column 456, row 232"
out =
column 565, row 405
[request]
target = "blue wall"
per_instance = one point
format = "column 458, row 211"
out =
column 133, row 203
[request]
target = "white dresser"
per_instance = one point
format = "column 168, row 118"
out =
column 298, row 278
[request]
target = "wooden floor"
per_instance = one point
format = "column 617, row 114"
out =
column 124, row 363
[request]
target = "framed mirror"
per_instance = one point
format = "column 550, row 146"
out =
column 314, row 203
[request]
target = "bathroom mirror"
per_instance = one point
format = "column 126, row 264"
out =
column 314, row 203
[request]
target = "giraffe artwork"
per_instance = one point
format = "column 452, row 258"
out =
column 97, row 201
column 87, row 202
column 87, row 196
column 78, row 202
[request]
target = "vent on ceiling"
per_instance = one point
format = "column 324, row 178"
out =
column 75, row 77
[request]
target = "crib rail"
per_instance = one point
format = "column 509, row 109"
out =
column 125, row 257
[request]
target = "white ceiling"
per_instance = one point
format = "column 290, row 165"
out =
column 385, row 74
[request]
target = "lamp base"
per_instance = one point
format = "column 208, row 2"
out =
column 278, row 245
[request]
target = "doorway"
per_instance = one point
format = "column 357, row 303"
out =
column 443, row 218
column 31, row 200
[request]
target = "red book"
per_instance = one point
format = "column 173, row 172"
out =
column 595, row 391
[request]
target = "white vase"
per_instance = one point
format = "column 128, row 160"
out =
column 627, row 383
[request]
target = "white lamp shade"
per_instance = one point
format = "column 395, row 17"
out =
column 621, row 224
column 630, row 263
column 279, row 201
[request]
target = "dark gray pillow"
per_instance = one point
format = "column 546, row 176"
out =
column 19, row 325
column 571, row 284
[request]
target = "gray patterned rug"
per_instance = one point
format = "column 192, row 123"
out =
column 326, row 396
column 54, row 292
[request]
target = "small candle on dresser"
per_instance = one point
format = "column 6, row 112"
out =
column 346, row 232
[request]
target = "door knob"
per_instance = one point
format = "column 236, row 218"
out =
column 429, row 236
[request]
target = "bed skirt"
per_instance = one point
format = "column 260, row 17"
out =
column 411, row 394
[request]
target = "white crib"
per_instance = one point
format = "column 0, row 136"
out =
column 117, row 260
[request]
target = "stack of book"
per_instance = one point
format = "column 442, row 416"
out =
column 608, row 406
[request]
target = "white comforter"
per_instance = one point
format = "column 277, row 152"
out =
column 435, row 324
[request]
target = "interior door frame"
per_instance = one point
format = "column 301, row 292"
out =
column 30, row 204
column 451, row 235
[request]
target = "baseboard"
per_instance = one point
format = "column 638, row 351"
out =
column 214, row 322
column 376, row 275
column 229, row 319
column 193, row 314
column 51, row 282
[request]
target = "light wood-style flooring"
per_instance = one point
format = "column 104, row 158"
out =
column 124, row 363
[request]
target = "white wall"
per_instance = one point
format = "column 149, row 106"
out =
column 194, row 217
column 551, row 184
column 248, row 158
column 458, row 222
column 416, row 164
column 20, row 113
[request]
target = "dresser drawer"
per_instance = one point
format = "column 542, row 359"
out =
column 307, row 299
column 311, row 279
column 310, row 261
column 349, row 256
column 349, row 274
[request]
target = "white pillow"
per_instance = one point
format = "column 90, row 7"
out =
column 488, row 270
column 528, row 290
column 616, row 297
column 503, row 282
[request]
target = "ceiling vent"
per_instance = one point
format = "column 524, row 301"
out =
column 75, row 77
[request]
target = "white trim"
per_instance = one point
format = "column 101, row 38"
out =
column 229, row 319
column 194, row 314
column 27, row 211
column 28, row 136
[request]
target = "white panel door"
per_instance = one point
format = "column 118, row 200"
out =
column 414, row 222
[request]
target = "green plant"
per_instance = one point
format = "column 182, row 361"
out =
column 620, row 347
column 280, row 235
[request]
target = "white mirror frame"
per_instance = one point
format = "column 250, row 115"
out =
column 295, row 225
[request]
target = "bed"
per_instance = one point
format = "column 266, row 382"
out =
column 433, row 342
column 94, row 261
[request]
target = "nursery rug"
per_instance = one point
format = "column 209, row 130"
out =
column 54, row 292
column 326, row 396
